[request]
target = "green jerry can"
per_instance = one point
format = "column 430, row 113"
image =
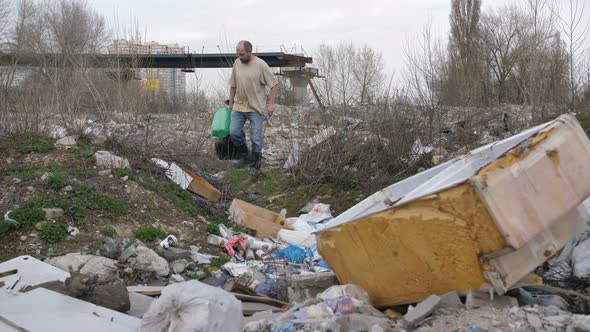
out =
column 221, row 122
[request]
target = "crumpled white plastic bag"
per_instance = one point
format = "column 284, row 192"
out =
column 581, row 259
column 193, row 306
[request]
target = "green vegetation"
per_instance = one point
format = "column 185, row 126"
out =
column 122, row 172
column 160, row 252
column 56, row 182
column 148, row 233
column 53, row 232
column 27, row 217
column 36, row 144
column 109, row 232
column 24, row 172
column 4, row 229
column 78, row 201
column 82, row 172
column 82, row 150
column 173, row 193
column 219, row 261
column 213, row 228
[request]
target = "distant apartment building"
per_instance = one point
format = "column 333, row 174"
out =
column 171, row 81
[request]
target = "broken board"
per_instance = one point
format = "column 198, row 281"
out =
column 45, row 310
column 189, row 181
column 201, row 187
column 264, row 222
column 29, row 272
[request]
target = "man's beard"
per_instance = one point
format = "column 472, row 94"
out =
column 246, row 60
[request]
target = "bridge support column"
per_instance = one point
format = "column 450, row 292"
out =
column 299, row 85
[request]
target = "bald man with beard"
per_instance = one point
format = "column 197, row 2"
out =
column 250, row 78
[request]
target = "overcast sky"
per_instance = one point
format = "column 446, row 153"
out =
column 274, row 24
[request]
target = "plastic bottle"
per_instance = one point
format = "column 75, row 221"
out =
column 216, row 240
column 257, row 244
column 250, row 255
column 224, row 231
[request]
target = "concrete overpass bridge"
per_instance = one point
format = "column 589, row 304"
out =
column 291, row 65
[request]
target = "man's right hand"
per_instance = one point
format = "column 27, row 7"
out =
column 231, row 104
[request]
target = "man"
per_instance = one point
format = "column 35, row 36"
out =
column 250, row 77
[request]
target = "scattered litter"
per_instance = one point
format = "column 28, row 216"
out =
column 8, row 219
column 238, row 269
column 263, row 222
column 581, row 259
column 193, row 306
column 73, row 231
column 229, row 246
column 169, row 241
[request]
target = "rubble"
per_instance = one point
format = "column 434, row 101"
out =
column 107, row 160
column 146, row 259
column 103, row 267
column 112, row 248
column 581, row 259
column 67, row 141
column 53, row 213
column 478, row 299
column 420, row 312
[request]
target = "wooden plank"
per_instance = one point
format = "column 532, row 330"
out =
column 261, row 299
column 146, row 290
column 202, row 188
column 265, row 223
column 250, row 308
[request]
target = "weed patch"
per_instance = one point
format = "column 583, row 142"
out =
column 123, row 172
column 23, row 172
column 56, row 182
column 82, row 151
column 148, row 233
column 78, row 201
column 53, row 232
column 109, row 232
column 27, row 217
column 174, row 194
column 219, row 261
column 82, row 172
column 4, row 229
column 36, row 144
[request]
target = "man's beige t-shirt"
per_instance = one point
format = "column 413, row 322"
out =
column 251, row 80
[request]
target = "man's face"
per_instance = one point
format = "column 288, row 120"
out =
column 242, row 54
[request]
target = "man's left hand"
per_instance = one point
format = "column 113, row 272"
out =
column 270, row 109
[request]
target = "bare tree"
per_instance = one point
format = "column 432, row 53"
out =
column 326, row 60
column 4, row 19
column 464, row 86
column 368, row 73
column 426, row 72
column 344, row 73
column 575, row 28
column 501, row 34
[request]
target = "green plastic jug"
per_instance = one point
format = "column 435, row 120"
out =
column 221, row 122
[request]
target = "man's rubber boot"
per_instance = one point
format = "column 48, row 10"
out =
column 256, row 160
column 245, row 159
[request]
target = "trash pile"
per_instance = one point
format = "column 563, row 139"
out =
column 284, row 260
column 496, row 240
